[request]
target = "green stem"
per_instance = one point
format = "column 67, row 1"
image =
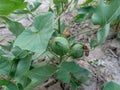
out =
column 58, row 14
column 59, row 28
column 61, row 59
column 62, row 7
column 10, row 68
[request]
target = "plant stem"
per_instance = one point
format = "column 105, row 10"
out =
column 49, row 83
column 11, row 68
column 62, row 7
column 59, row 28
column 61, row 58
column 58, row 14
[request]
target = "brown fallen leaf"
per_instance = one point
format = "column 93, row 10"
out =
column 67, row 33
column 111, row 77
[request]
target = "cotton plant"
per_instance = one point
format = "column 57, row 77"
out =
column 43, row 51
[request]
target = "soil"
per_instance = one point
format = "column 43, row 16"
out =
column 103, row 61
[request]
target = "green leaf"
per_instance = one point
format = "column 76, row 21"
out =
column 58, row 6
column 1, row 52
column 87, row 2
column 35, row 6
column 86, row 9
column 106, row 12
column 19, row 53
column 119, row 18
column 101, row 36
column 63, row 75
column 74, row 84
column 7, row 85
column 39, row 75
column 62, row 26
column 4, row 67
column 6, row 63
column 21, row 11
column 80, row 17
column 84, row 13
column 103, row 33
column 65, row 1
column 73, row 4
column 56, row 2
column 8, row 6
column 31, row 8
column 36, row 39
column 7, row 56
column 7, row 47
column 66, row 69
column 111, row 86
column 22, row 67
column 15, row 27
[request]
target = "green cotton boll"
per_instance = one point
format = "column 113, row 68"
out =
column 60, row 46
column 77, row 51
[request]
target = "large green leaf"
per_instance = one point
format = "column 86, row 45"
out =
column 4, row 67
column 101, row 36
column 66, row 69
column 15, row 27
column 6, row 63
column 39, row 75
column 22, row 67
column 103, row 33
column 106, row 12
column 111, row 86
column 8, row 6
column 63, row 75
column 36, row 39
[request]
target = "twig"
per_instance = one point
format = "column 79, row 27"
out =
column 2, row 26
column 112, row 53
column 118, row 60
column 49, row 83
column 2, row 77
column 84, row 32
column 2, row 40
